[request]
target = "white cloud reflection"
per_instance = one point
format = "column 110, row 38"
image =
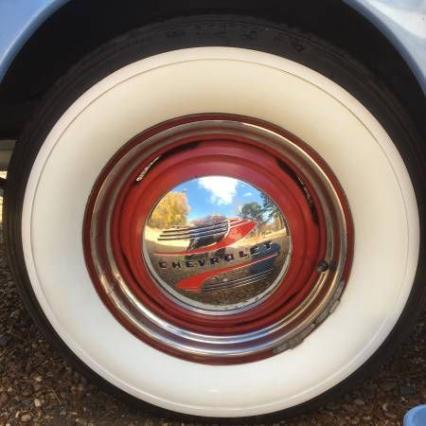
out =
column 222, row 189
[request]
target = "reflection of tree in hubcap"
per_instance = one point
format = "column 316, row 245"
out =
column 172, row 210
column 217, row 247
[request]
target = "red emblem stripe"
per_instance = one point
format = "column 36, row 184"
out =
column 195, row 282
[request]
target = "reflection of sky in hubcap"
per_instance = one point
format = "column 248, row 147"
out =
column 223, row 195
column 216, row 243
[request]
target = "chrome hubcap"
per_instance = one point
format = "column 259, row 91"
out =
column 217, row 243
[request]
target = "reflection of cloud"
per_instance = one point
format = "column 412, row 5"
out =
column 222, row 189
column 248, row 194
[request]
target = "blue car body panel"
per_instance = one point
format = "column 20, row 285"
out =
column 19, row 19
column 402, row 21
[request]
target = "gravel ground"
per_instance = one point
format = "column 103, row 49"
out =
column 38, row 387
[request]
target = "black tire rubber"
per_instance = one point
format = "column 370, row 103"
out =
column 212, row 30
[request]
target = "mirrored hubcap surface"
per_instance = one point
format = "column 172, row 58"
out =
column 218, row 238
column 216, row 242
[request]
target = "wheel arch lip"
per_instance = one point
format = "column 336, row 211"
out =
column 22, row 20
column 402, row 27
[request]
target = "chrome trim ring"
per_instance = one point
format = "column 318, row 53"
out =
column 204, row 331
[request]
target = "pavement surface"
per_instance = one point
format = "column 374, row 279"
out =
column 37, row 386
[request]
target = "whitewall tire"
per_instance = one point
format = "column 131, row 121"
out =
column 88, row 118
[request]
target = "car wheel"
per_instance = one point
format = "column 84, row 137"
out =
column 219, row 216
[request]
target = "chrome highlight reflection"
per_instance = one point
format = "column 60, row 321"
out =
column 215, row 247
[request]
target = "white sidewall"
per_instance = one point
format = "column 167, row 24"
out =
column 239, row 81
